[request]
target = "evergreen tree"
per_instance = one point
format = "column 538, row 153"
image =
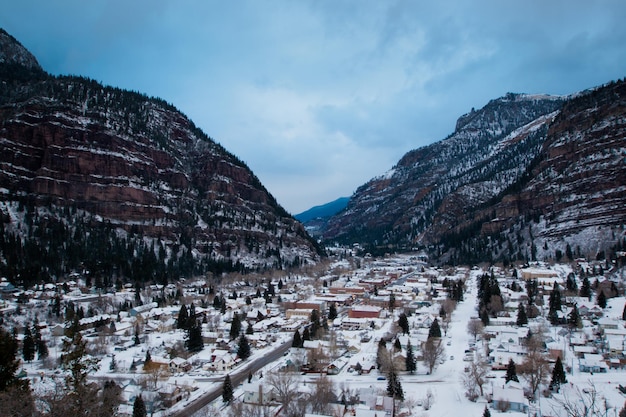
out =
column 227, row 390
column 217, row 303
column 297, row 340
column 585, row 288
column 573, row 319
column 315, row 323
column 403, row 323
column 511, row 372
column 42, row 350
column 624, row 313
column 392, row 301
column 243, row 350
column 558, row 375
column 434, row 330
column 332, row 311
column 391, row 383
column 486, row 413
column 394, row 388
column 77, row 361
column 522, row 318
column 183, row 317
column 306, row 334
column 397, row 345
column 28, row 345
column 601, row 299
column 235, row 327
column 622, row 412
column 411, row 363
column 249, row 330
column 139, row 407
column 195, row 342
column 571, row 282
column 9, row 362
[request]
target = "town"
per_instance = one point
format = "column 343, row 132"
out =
column 357, row 335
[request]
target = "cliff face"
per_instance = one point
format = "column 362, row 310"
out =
column 525, row 176
column 138, row 166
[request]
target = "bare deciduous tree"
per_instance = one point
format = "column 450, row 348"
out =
column 285, row 386
column 322, row 396
column 584, row 402
column 432, row 352
column 475, row 327
column 535, row 369
column 476, row 377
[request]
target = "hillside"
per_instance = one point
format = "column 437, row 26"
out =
column 124, row 185
column 526, row 176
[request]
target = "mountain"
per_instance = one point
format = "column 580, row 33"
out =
column 316, row 218
column 525, row 177
column 99, row 179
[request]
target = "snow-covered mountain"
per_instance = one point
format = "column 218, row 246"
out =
column 124, row 184
column 527, row 176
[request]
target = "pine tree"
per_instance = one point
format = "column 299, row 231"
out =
column 139, row 407
column 183, row 316
column 622, row 412
column 315, row 323
column 392, row 301
column 235, row 327
column 624, row 313
column 486, row 413
column 601, row 299
column 8, row 359
column 332, row 311
column 573, row 319
column 77, row 361
column 397, row 345
column 227, row 390
column 306, row 335
column 434, row 330
column 195, row 342
column 411, row 364
column 511, row 372
column 558, row 375
column 522, row 318
column 585, row 288
column 42, row 350
column 243, row 351
column 297, row 340
column 28, row 345
column 249, row 330
column 403, row 323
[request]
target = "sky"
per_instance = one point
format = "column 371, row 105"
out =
column 318, row 97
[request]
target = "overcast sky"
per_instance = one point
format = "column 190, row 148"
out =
column 318, row 97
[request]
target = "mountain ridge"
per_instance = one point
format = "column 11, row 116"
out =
column 81, row 156
column 458, row 195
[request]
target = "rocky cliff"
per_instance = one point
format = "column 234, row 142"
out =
column 524, row 177
column 82, row 155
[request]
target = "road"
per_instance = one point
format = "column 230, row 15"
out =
column 236, row 377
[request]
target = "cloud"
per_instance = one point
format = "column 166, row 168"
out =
column 318, row 97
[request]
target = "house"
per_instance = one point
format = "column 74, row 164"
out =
column 510, row 396
column 170, row 395
column 592, row 362
column 179, row 365
column 364, row 312
column 258, row 392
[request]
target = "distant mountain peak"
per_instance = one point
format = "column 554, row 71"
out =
column 12, row 52
column 520, row 178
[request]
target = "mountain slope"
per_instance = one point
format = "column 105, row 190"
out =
column 471, row 193
column 89, row 160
